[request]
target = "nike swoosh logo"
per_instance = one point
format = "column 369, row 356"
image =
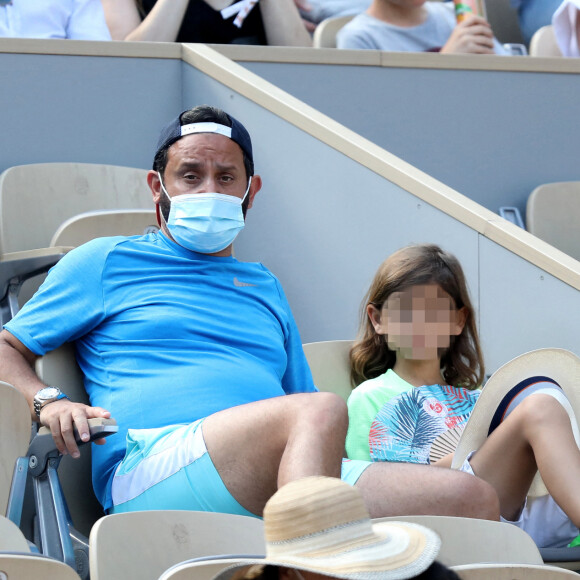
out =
column 241, row 284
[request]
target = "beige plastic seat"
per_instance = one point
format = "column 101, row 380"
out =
column 47, row 194
column 145, row 544
column 544, row 43
column 329, row 363
column 59, row 367
column 200, row 569
column 33, row 567
column 553, row 214
column 11, row 538
column 86, row 226
column 470, row 541
column 42, row 196
column 325, row 33
column 512, row 572
column 15, row 422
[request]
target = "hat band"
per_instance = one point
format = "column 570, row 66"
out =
column 206, row 128
column 530, row 385
column 350, row 538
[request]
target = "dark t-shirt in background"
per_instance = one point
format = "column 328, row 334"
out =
column 202, row 23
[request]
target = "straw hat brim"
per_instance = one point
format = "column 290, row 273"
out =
column 402, row 550
column 558, row 364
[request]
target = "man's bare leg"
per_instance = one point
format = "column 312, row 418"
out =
column 259, row 447
column 395, row 489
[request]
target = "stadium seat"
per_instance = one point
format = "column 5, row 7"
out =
column 544, row 43
column 15, row 424
column 201, row 568
column 512, row 572
column 38, row 504
column 71, row 188
column 145, row 544
column 329, row 363
column 553, row 214
column 59, row 367
column 469, row 540
column 33, row 567
column 11, row 538
column 86, row 226
column 325, row 33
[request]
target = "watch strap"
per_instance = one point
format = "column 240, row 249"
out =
column 39, row 405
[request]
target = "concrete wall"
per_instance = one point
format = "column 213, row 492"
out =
column 333, row 206
column 91, row 109
column 491, row 128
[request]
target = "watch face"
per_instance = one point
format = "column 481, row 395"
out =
column 48, row 393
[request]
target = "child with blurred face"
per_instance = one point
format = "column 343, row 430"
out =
column 418, row 365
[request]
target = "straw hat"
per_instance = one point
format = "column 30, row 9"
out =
column 321, row 525
column 513, row 379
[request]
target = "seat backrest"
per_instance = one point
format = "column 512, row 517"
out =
column 11, row 538
column 330, row 365
column 512, row 572
column 553, row 214
column 33, row 567
column 60, row 368
column 504, row 21
column 544, row 43
column 84, row 227
column 145, row 544
column 200, row 569
column 15, row 422
column 44, row 195
column 325, row 33
column 469, row 540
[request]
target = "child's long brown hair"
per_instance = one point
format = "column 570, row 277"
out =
column 370, row 356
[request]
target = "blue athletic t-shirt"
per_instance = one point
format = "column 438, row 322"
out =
column 164, row 335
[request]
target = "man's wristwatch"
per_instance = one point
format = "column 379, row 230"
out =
column 45, row 396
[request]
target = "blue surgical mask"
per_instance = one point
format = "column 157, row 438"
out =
column 205, row 222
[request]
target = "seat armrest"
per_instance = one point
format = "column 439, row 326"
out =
column 43, row 448
column 99, row 427
column 28, row 263
column 16, row 267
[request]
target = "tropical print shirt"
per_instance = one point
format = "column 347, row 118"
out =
column 391, row 420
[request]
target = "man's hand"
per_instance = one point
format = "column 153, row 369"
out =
column 471, row 36
column 62, row 416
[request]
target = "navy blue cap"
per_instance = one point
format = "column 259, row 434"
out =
column 174, row 131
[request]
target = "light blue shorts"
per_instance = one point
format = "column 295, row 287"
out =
column 352, row 469
column 169, row 468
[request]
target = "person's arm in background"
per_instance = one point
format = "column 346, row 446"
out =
column 283, row 23
column 471, row 36
column 162, row 24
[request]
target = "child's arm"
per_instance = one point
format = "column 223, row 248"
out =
column 471, row 36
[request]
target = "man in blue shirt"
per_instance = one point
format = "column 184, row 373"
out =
column 197, row 355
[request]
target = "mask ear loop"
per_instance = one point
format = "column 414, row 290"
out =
column 298, row 573
column 157, row 210
column 247, row 189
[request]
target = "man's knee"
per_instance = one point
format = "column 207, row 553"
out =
column 327, row 409
column 478, row 498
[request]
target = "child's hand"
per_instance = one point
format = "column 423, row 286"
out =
column 471, row 36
